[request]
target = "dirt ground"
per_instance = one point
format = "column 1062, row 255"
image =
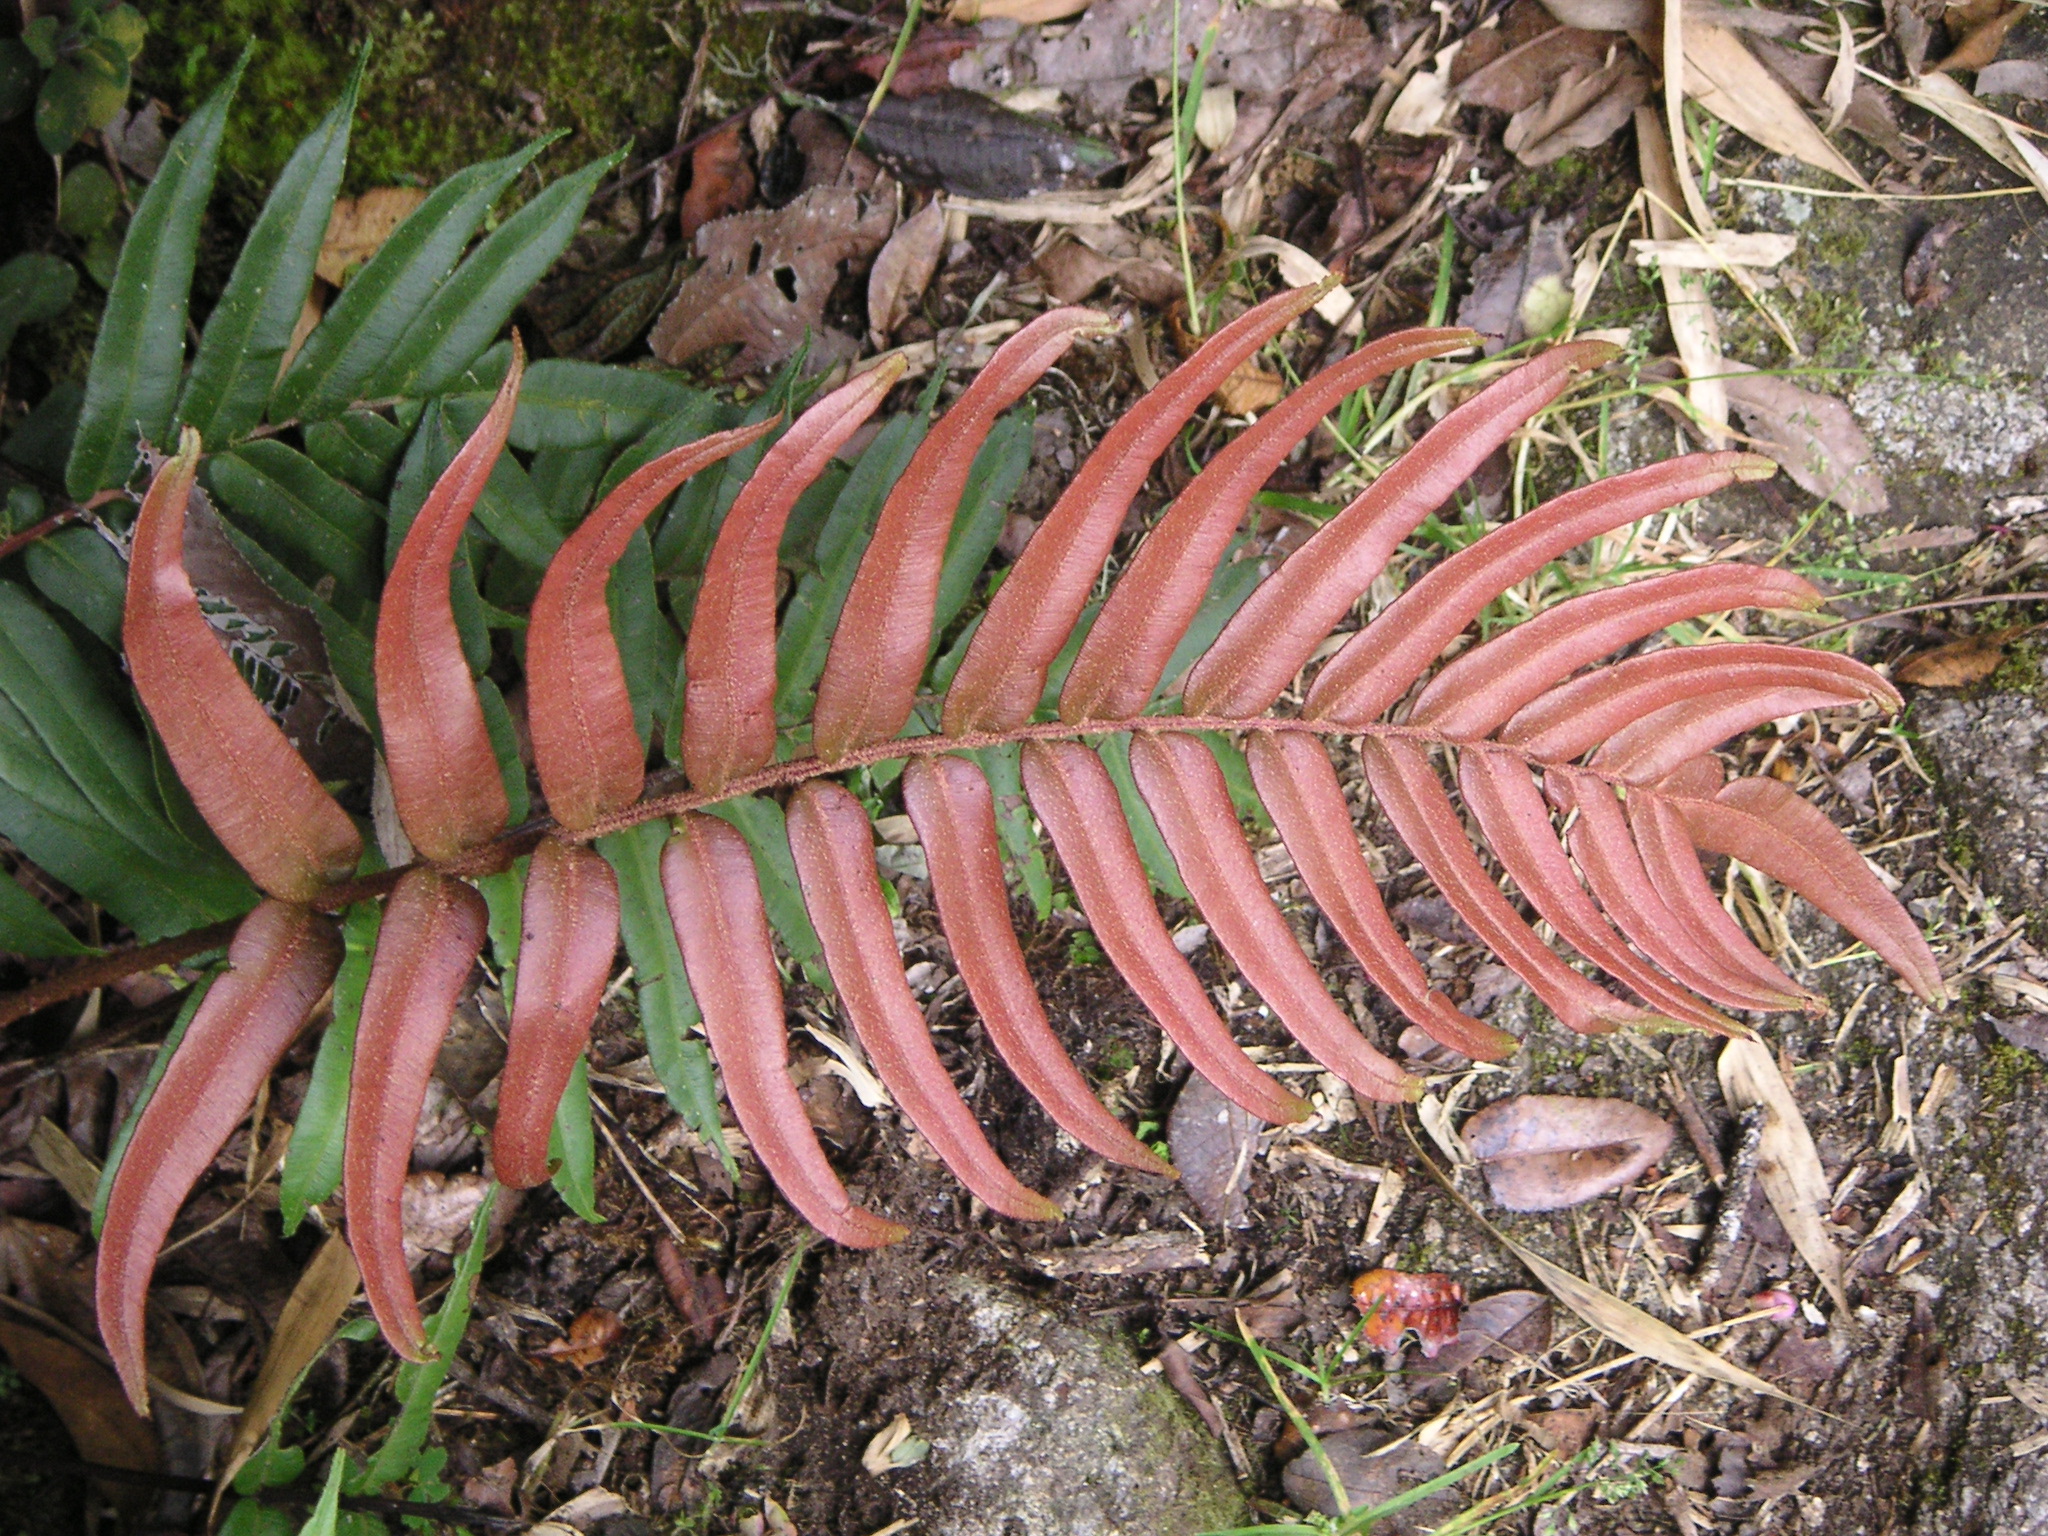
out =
column 1094, row 1375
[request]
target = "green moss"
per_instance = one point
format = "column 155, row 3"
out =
column 2021, row 670
column 444, row 88
column 2008, row 1072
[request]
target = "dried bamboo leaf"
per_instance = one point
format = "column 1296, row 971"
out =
column 1788, row 1163
column 325, row 1290
column 1723, row 76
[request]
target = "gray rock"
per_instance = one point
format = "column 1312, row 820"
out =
column 1993, row 757
column 1036, row 1423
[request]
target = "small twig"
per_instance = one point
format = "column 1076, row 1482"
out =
column 1896, row 613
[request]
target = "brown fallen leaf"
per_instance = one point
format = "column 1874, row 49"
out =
column 1788, row 1163
column 1688, row 300
column 437, row 1211
column 904, row 269
column 1141, row 1253
column 1870, row 114
column 698, row 1295
column 1564, row 1431
column 1723, row 76
column 1584, row 109
column 1814, row 438
column 591, row 1333
column 767, row 275
column 1024, row 12
column 721, row 181
column 2029, row 1031
column 1497, row 1327
column 1250, row 389
column 88, row 1398
column 1392, row 1301
column 1213, row 1143
column 1546, row 1152
column 359, row 226
column 1179, row 1372
column 1371, row 1475
column 1981, row 40
column 1955, row 665
column 304, row 1329
column 1522, row 76
column 926, row 64
column 1521, row 290
column 1925, row 283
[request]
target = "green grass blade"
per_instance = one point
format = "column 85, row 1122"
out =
column 312, row 1162
column 140, row 352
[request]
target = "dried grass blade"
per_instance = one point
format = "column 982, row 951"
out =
column 1606, row 851
column 569, row 933
column 729, row 658
column 1288, row 615
column 255, row 791
column 433, row 930
column 1003, row 674
column 878, row 654
column 1788, row 1164
column 282, row 958
column 585, row 746
column 1670, row 859
column 1075, row 798
column 833, row 843
column 707, row 873
column 1414, row 800
column 1511, row 812
column 1768, row 827
column 1383, row 661
column 1300, row 790
column 1182, row 783
column 1156, row 598
column 1575, row 717
column 1473, row 696
column 953, row 809
column 1688, row 303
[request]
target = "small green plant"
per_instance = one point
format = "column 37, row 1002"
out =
column 74, row 71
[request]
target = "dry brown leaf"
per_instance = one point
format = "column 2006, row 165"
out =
column 1814, row 437
column 904, row 269
column 1250, row 389
column 1520, row 291
column 1688, row 304
column 1954, row 105
column 1522, row 76
column 1298, row 269
column 591, row 1333
column 767, row 275
column 437, row 1211
column 1840, row 92
column 2014, row 77
column 1604, row 15
column 359, row 226
column 721, row 181
column 1926, row 285
column 304, row 1329
column 1141, row 1253
column 1547, row 1152
column 1788, row 1163
column 1496, row 1327
column 1723, row 76
column 1955, row 665
column 1213, row 1143
column 1980, row 42
column 88, row 1398
column 1024, row 12
column 58, row 1156
column 1586, row 109
column 1721, row 249
column 2029, row 1031
column 1870, row 112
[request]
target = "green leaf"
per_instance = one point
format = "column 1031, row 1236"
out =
column 315, row 524
column 564, row 403
column 29, row 928
column 88, row 202
column 43, row 441
column 1115, row 752
column 468, row 310
column 668, row 1009
column 312, row 1160
column 1228, row 589
column 247, row 333
column 761, row 822
column 18, row 76
column 33, row 288
column 509, row 511
column 40, row 38
column 505, row 743
column 141, row 348
column 991, row 485
column 813, row 613
column 1023, row 850
column 417, row 1384
column 359, row 448
column 565, row 480
column 124, row 27
column 118, row 1148
column 61, row 109
column 381, row 303
column 326, row 1512
column 649, row 648
column 273, row 1466
column 79, row 793
column 102, row 257
column 78, row 570
column 573, row 1148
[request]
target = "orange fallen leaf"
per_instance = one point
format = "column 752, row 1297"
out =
column 359, row 226
column 1955, row 665
column 1393, row 1301
column 1250, row 389
column 590, row 1335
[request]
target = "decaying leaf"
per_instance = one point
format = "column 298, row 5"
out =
column 1024, row 12
column 1723, row 76
column 1524, row 75
column 1392, row 1301
column 767, row 275
column 1522, row 290
column 1955, row 665
column 1813, row 437
column 1604, row 15
column 1980, row 42
column 88, row 1398
column 1545, row 1152
column 1585, row 108
column 1141, row 1253
column 721, row 181
column 1719, row 249
column 1502, row 1326
column 1250, row 389
column 1688, row 299
column 2029, row 1031
column 964, row 143
column 1213, row 1143
column 1788, row 1163
column 1926, row 284
column 894, row 1447
column 1809, row 76
column 304, row 1329
column 2014, row 77
column 1372, row 1474
column 904, row 270
column 438, row 1209
column 359, row 226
